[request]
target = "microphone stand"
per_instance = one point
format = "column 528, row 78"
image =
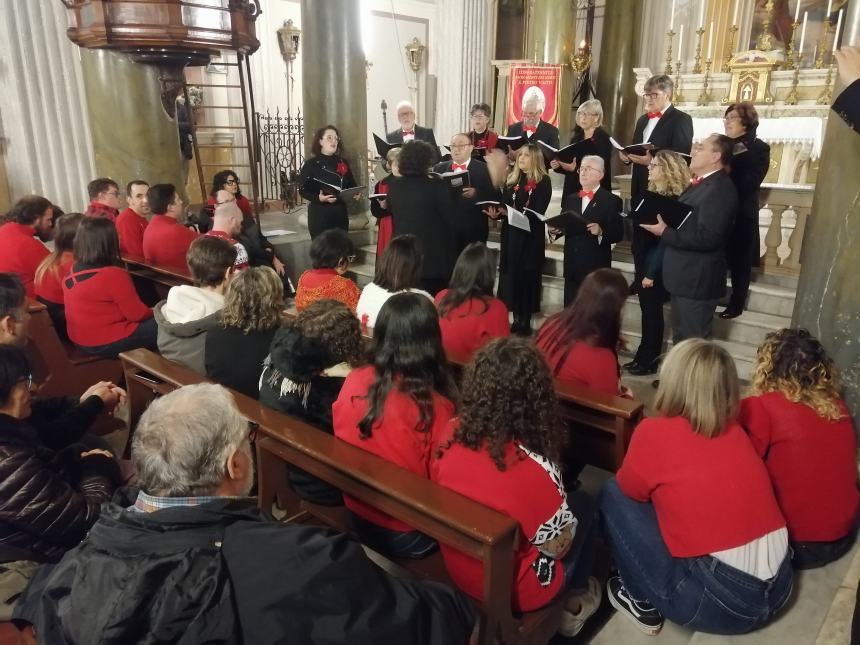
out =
column 384, row 107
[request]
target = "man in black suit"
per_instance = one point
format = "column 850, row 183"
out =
column 408, row 130
column 587, row 251
column 470, row 222
column 694, row 264
column 533, row 126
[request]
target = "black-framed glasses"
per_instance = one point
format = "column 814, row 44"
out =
column 351, row 258
column 253, row 429
column 650, row 95
column 231, row 182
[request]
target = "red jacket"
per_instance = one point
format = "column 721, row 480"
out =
column 811, row 465
column 594, row 367
column 97, row 209
column 130, row 227
column 102, row 306
column 21, row 253
column 50, row 287
column 242, row 202
column 469, row 326
column 166, row 241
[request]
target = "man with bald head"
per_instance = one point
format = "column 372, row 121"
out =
column 227, row 224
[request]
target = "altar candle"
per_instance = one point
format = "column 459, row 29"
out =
column 829, row 8
column 802, row 33
column 711, row 42
column 836, row 33
column 681, row 39
column 737, row 7
column 797, row 10
column 702, row 14
column 672, row 16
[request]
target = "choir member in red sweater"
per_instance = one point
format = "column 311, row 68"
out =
column 104, row 198
column 800, row 426
column 691, row 518
column 397, row 408
column 21, row 252
column 469, row 315
column 580, row 342
column 331, row 253
column 480, row 136
column 379, row 206
column 166, row 240
column 104, row 314
column 132, row 222
column 229, row 181
column 503, row 451
column 55, row 267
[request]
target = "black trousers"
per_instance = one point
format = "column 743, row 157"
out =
column 742, row 254
column 692, row 318
column 651, row 301
column 321, row 218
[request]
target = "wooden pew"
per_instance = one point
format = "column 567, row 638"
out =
column 450, row 518
column 153, row 281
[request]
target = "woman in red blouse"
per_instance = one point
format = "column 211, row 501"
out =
column 49, row 275
column 469, row 315
column 397, row 408
column 229, row 181
column 580, row 342
column 800, row 426
column 331, row 253
column 379, row 206
column 503, row 451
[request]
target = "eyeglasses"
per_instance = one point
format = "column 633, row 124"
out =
column 593, row 115
column 351, row 258
column 459, row 146
column 651, row 95
column 331, row 138
column 588, row 168
column 231, row 182
column 733, row 117
column 113, row 193
column 253, row 428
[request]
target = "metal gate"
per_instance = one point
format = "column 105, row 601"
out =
column 280, row 153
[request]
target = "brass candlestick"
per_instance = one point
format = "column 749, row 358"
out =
column 826, row 97
column 669, row 35
column 792, row 47
column 697, row 61
column 581, row 61
column 821, row 45
column 791, row 99
column 765, row 39
column 705, row 95
column 678, row 97
column 731, row 48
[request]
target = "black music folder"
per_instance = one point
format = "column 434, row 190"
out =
column 570, row 152
column 512, row 143
column 382, row 146
column 673, row 212
column 635, row 149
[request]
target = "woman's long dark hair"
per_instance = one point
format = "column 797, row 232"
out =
column 219, row 181
column 473, row 278
column 399, row 268
column 594, row 317
column 96, row 243
column 407, row 354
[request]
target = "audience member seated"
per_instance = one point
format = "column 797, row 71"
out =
column 191, row 559
column 302, row 376
column 397, row 271
column 48, row 281
column 398, row 408
column 166, row 240
column 132, row 222
column 190, row 312
column 503, row 452
column 104, row 314
column 21, row 251
column 228, row 181
column 580, row 342
column 799, row 424
column 691, row 519
column 469, row 315
column 235, row 349
column 104, row 199
column 331, row 253
column 226, row 224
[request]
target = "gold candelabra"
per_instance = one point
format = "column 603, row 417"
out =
column 581, row 61
column 765, row 39
column 791, row 99
column 678, row 97
column 826, row 96
column 730, row 50
column 705, row 95
column 669, row 35
column 792, row 47
column 697, row 61
column 821, row 45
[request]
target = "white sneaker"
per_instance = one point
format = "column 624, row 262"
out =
column 571, row 624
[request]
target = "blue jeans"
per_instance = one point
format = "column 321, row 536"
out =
column 145, row 336
column 412, row 545
column 700, row 593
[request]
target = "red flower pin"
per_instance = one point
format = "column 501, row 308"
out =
column 530, row 185
column 342, row 168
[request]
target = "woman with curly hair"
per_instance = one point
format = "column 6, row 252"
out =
column 253, row 310
column 229, row 181
column 397, row 408
column 504, row 450
column 800, row 426
column 308, row 362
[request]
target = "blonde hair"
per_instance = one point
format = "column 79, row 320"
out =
column 536, row 172
column 699, row 382
column 65, row 229
column 254, row 300
column 592, row 105
column 675, row 174
column 392, row 155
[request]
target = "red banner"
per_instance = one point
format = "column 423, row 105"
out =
column 534, row 82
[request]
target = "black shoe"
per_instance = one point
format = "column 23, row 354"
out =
column 728, row 313
column 644, row 369
column 642, row 614
column 631, row 364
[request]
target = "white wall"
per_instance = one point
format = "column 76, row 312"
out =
column 268, row 69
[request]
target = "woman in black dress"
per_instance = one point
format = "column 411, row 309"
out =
column 589, row 118
column 326, row 166
column 522, row 252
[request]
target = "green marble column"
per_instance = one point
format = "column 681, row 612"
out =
column 334, row 79
column 133, row 137
column 828, row 300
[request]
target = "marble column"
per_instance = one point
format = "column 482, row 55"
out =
column 333, row 78
column 828, row 300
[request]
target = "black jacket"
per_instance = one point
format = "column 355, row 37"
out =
column 221, row 573
column 421, row 134
column 545, row 132
column 235, row 359
column 748, row 167
column 847, row 105
column 603, row 149
column 674, row 131
column 61, row 421
column 470, row 223
column 583, row 253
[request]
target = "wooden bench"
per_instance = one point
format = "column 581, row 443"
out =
column 153, row 281
column 284, row 442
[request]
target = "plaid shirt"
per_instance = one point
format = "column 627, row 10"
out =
column 151, row 503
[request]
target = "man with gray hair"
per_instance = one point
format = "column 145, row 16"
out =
column 408, row 130
column 193, row 560
column 532, row 124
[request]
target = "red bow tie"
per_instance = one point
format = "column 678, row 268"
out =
column 458, row 166
column 529, row 130
column 412, row 132
column 587, row 193
column 655, row 115
column 695, row 181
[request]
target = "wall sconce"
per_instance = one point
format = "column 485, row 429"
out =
column 288, row 39
column 415, row 54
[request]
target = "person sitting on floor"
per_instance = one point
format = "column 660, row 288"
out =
column 503, row 452
column 48, row 281
column 398, row 271
column 397, row 408
column 192, row 559
column 799, row 424
column 331, row 253
column 190, row 312
column 691, row 518
column 469, row 315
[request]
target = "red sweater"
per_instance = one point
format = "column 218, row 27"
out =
column 394, row 436
column 166, row 241
column 468, row 327
column 811, row 465
column 242, row 202
column 241, row 262
column 709, row 494
column 326, row 284
column 103, row 308
column 130, row 227
column 594, row 367
column 21, row 253
column 97, row 209
column 50, row 287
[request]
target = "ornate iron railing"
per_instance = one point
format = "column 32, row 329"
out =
column 281, row 153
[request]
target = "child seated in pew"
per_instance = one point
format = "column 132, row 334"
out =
column 48, row 282
column 190, row 312
column 503, row 450
column 397, row 408
column 800, row 426
column 331, row 253
column 469, row 315
column 580, row 342
column 307, row 364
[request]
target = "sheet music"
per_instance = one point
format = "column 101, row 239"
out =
column 518, row 219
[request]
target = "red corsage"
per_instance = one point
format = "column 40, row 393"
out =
column 342, row 168
column 531, row 184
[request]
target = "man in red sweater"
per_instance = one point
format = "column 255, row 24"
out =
column 20, row 251
column 104, row 198
column 227, row 224
column 132, row 222
column 166, row 240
